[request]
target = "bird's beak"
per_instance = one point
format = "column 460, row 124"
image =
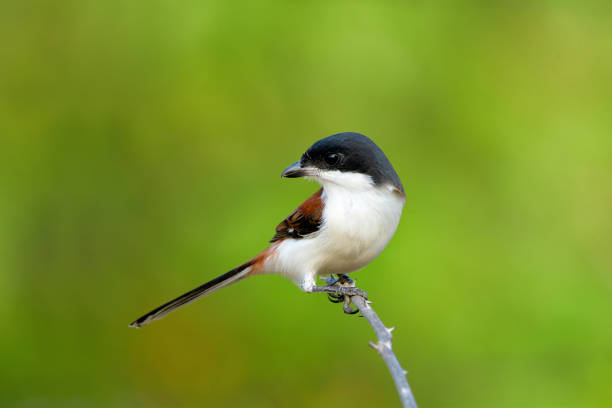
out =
column 296, row 170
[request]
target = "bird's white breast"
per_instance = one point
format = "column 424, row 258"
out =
column 357, row 226
column 359, row 220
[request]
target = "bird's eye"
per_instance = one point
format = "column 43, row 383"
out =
column 332, row 158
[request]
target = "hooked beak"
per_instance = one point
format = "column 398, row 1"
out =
column 296, row 170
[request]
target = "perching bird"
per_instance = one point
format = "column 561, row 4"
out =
column 338, row 230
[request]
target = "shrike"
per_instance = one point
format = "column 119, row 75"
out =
column 338, row 230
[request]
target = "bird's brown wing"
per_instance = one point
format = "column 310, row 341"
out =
column 305, row 220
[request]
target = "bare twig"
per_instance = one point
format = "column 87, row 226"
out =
column 383, row 346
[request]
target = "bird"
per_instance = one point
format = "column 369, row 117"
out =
column 338, row 230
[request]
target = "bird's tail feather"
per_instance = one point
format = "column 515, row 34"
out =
column 219, row 282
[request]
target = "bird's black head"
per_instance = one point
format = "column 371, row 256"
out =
column 348, row 153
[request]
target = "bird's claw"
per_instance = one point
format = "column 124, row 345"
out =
column 335, row 298
column 347, row 306
column 341, row 289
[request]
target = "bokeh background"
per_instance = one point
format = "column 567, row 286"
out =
column 141, row 147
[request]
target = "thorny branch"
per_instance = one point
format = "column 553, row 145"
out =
column 383, row 345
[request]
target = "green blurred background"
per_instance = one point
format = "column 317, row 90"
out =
column 141, row 148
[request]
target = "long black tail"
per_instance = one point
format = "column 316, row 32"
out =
column 203, row 290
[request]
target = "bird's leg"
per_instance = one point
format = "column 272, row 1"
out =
column 331, row 281
column 344, row 279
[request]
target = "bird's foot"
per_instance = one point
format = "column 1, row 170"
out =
column 341, row 280
column 333, row 281
column 341, row 289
